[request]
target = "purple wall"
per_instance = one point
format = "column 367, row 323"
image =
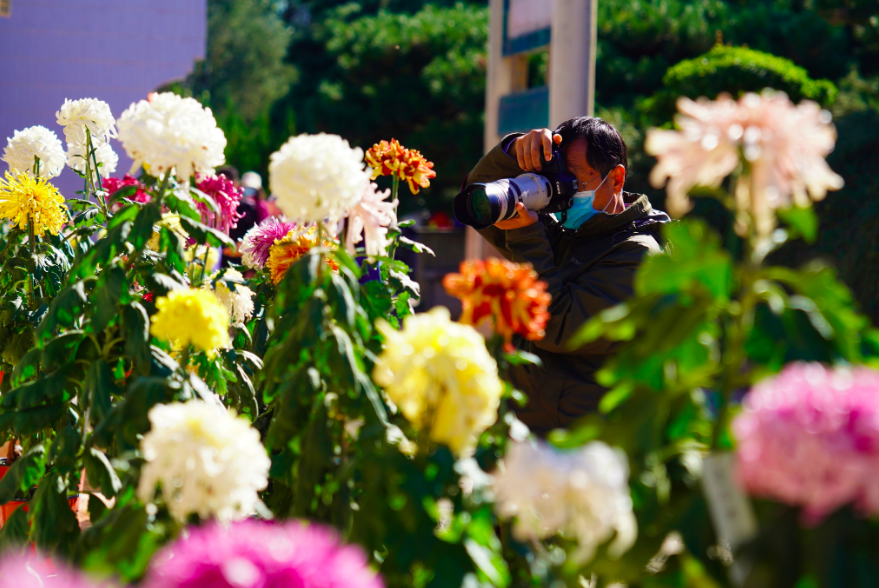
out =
column 114, row 50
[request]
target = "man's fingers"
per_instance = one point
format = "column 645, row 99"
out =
column 557, row 139
column 535, row 153
column 520, row 152
column 547, row 145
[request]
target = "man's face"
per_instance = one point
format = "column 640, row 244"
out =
column 589, row 178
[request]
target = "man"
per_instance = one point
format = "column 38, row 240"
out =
column 588, row 264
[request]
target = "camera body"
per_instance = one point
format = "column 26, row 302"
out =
column 481, row 205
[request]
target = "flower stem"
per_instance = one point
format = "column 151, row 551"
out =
column 91, row 154
column 204, row 264
column 395, row 187
column 32, row 246
column 162, row 186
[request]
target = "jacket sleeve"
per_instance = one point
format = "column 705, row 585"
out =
column 496, row 165
column 608, row 283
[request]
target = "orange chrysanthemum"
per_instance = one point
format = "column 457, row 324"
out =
column 389, row 157
column 384, row 158
column 286, row 251
column 416, row 170
column 509, row 293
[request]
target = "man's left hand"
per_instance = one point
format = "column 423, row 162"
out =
column 526, row 217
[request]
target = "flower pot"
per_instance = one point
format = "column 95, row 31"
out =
column 7, row 509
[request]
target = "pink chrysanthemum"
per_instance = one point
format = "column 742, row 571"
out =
column 227, row 197
column 251, row 554
column 113, row 185
column 810, row 437
column 256, row 243
column 18, row 570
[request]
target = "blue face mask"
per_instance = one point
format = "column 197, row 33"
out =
column 583, row 208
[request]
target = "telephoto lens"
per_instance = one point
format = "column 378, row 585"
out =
column 482, row 205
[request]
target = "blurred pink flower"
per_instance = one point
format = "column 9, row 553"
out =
column 810, row 437
column 258, row 554
column 784, row 146
column 227, row 197
column 113, row 185
column 369, row 221
column 258, row 241
column 35, row 570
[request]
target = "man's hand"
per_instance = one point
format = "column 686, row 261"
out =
column 526, row 217
column 528, row 148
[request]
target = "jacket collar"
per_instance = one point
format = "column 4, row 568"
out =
column 638, row 208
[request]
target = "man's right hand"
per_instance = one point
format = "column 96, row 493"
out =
column 529, row 146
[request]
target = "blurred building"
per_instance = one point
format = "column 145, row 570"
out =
column 114, row 50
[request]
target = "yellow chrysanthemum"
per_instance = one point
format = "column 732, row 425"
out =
column 194, row 317
column 23, row 197
column 441, row 377
column 286, row 251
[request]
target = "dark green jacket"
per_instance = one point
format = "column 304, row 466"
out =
column 586, row 270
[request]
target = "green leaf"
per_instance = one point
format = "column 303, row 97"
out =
column 24, row 473
column 135, row 327
column 205, row 234
column 15, row 531
column 126, row 213
column 100, row 473
column 415, row 246
column 696, row 260
column 100, row 387
column 801, row 221
column 54, row 524
column 48, row 388
column 27, row 366
column 61, row 349
column 112, row 289
column 28, row 422
column 142, row 229
column 65, row 447
column 183, row 204
column 64, row 310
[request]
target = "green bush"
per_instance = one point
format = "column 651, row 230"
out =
column 739, row 69
column 734, row 70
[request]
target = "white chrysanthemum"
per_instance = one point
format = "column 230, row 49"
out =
column 104, row 154
column 583, row 494
column 239, row 302
column 35, row 142
column 369, row 220
column 317, row 177
column 207, row 461
column 89, row 113
column 170, row 132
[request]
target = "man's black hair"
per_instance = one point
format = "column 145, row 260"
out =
column 231, row 172
column 605, row 148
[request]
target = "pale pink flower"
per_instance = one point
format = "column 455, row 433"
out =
column 369, row 221
column 784, row 148
column 36, row 570
column 810, row 437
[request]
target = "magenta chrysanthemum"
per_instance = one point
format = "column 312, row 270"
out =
column 810, row 437
column 256, row 243
column 113, row 185
column 227, row 197
column 257, row 554
column 18, row 570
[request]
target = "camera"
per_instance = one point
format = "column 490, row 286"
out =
column 482, row 205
